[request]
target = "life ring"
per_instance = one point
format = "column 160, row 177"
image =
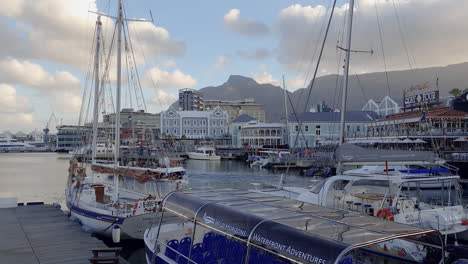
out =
column 385, row 213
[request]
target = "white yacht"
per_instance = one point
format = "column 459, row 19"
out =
column 13, row 145
column 204, row 153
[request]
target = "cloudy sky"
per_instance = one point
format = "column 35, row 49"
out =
column 46, row 46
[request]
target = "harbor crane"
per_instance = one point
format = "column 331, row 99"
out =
column 46, row 129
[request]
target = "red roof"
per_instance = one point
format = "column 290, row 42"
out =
column 435, row 112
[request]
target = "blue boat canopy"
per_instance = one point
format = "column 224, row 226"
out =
column 298, row 231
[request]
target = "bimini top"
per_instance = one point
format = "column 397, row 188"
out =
column 299, row 231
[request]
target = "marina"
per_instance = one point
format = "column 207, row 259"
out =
column 136, row 162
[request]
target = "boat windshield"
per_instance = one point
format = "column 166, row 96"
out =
column 317, row 187
column 433, row 193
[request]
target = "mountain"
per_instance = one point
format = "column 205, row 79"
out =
column 328, row 88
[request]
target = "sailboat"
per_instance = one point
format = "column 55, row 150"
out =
column 108, row 208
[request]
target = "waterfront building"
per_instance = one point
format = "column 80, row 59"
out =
column 136, row 125
column 311, row 129
column 72, row 137
column 259, row 134
column 236, row 125
column 190, row 100
column 194, row 124
column 383, row 108
column 237, row 108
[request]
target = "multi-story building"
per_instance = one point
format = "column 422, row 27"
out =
column 190, row 100
column 235, row 126
column 309, row 129
column 140, row 125
column 194, row 124
column 257, row 134
column 72, row 137
column 236, row 108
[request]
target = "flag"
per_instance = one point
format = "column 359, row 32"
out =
column 423, row 117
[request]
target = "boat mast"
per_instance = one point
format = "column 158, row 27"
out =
column 96, row 93
column 346, row 73
column 285, row 103
column 117, row 106
column 344, row 93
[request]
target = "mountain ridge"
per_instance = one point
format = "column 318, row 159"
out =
column 328, row 88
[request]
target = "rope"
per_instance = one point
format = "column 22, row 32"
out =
column 382, row 47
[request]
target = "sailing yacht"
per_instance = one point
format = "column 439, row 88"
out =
column 131, row 201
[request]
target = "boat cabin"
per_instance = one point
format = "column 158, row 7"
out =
column 231, row 226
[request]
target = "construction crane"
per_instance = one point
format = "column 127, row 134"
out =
column 46, row 129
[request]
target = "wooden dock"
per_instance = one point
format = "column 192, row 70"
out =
column 39, row 234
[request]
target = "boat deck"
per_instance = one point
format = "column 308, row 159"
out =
column 37, row 234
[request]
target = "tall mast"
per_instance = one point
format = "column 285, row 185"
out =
column 286, row 106
column 117, row 106
column 285, row 102
column 96, row 92
column 346, row 73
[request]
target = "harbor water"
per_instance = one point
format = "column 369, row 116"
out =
column 42, row 177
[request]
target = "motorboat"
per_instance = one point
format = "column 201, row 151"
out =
column 13, row 145
column 232, row 226
column 204, row 153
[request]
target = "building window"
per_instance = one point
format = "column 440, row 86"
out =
column 297, row 128
column 222, row 131
column 175, row 131
column 221, row 122
column 174, row 122
column 307, row 128
column 194, row 131
column 167, row 131
column 214, row 131
column 317, row 130
column 214, row 122
column 167, row 122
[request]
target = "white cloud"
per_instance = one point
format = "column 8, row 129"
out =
column 429, row 27
column 15, row 110
column 262, row 76
column 170, row 64
column 243, row 26
column 221, row 61
column 62, row 88
column 168, row 79
column 162, row 100
column 61, row 32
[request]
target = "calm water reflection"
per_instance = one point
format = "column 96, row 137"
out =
column 42, row 176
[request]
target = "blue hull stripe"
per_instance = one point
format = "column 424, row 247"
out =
column 101, row 217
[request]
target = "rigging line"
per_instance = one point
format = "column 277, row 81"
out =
column 362, row 88
column 406, row 34
column 338, row 80
column 85, row 87
column 403, row 40
column 137, row 72
column 154, row 84
column 382, row 47
column 306, row 76
column 128, row 69
column 316, row 47
column 318, row 61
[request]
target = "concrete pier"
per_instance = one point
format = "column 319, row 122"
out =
column 39, row 234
